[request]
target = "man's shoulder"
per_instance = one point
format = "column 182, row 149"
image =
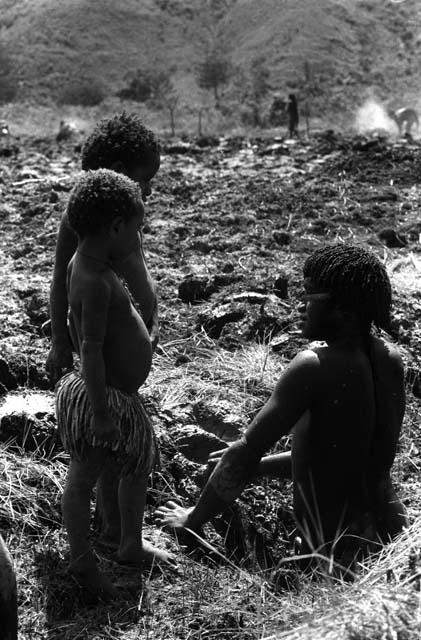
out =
column 305, row 362
column 387, row 354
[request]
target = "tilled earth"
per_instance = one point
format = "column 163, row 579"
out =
column 228, row 227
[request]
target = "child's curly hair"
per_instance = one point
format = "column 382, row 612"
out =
column 100, row 196
column 356, row 280
column 122, row 138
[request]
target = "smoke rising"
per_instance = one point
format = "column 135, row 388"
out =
column 372, row 117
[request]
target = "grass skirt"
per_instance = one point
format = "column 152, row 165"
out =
column 136, row 449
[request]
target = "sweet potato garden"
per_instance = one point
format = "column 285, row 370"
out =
column 228, row 227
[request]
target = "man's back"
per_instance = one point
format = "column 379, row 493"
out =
column 345, row 448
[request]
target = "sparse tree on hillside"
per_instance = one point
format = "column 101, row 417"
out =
column 259, row 88
column 198, row 108
column 148, row 85
column 8, row 84
column 86, row 92
column 139, row 86
column 212, row 73
column 164, row 94
column 310, row 91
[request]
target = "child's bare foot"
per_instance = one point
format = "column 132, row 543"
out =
column 95, row 582
column 144, row 553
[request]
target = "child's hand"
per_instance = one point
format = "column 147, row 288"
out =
column 60, row 359
column 105, row 430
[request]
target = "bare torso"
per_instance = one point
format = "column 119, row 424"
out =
column 133, row 270
column 344, row 446
column 135, row 273
column 127, row 348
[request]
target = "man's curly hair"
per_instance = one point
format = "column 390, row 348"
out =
column 100, row 196
column 122, row 138
column 356, row 280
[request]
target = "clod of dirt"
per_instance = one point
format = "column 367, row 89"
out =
column 228, row 267
column 280, row 286
column 252, row 297
column 194, row 443
column 182, row 148
column 194, row 288
column 37, row 308
column 27, row 372
column 391, row 238
column 219, row 421
column 214, row 320
column 382, row 194
column 207, row 141
column 28, row 420
column 282, row 237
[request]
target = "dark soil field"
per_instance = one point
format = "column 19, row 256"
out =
column 228, row 228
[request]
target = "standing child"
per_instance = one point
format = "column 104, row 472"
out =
column 344, row 403
column 121, row 143
column 100, row 414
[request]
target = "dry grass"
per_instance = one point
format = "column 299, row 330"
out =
column 204, row 600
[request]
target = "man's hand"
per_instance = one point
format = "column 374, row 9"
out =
column 172, row 515
column 59, row 359
column 105, row 430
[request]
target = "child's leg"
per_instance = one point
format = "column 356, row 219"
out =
column 81, row 479
column 107, row 507
column 132, row 498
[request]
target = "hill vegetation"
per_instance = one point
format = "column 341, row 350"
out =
column 331, row 51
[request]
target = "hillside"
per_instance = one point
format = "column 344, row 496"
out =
column 347, row 45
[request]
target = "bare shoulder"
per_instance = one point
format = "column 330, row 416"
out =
column 307, row 359
column 92, row 284
column 387, row 354
column 303, row 368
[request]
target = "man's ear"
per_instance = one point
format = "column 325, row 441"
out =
column 116, row 226
column 346, row 316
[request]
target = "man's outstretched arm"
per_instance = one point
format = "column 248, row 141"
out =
column 292, row 396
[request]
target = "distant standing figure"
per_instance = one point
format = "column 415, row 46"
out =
column 405, row 118
column 292, row 111
column 8, row 599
